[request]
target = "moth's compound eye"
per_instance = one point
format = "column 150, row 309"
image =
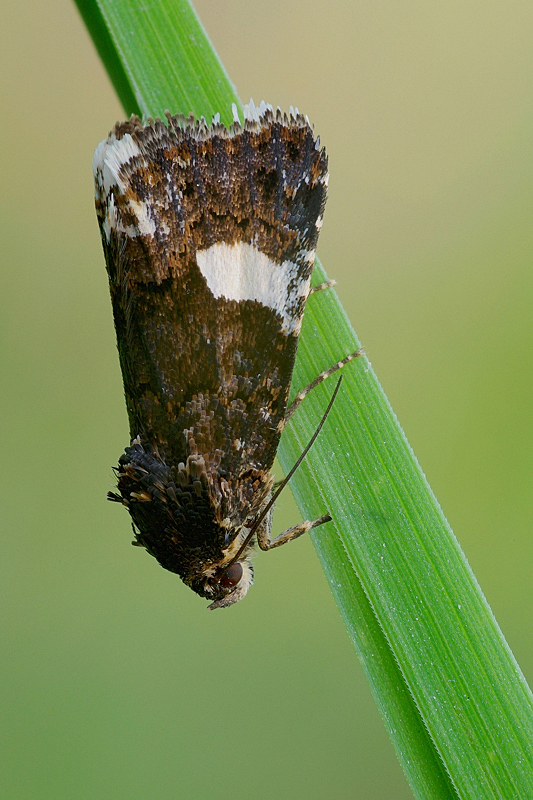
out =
column 232, row 576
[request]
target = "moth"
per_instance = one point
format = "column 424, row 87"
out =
column 209, row 236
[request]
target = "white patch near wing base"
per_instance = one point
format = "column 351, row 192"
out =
column 109, row 158
column 242, row 272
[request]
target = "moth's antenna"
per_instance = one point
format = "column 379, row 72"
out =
column 285, row 481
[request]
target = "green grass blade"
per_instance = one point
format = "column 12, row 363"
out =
column 392, row 539
column 453, row 698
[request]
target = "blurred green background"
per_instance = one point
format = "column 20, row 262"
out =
column 115, row 681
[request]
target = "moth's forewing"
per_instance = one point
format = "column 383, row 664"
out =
column 209, row 237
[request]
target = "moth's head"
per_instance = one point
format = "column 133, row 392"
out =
column 227, row 585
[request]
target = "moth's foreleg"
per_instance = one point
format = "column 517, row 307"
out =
column 266, row 543
column 302, row 394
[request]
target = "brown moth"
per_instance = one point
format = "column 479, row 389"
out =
column 209, row 236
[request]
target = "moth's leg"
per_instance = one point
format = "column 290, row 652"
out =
column 302, row 394
column 266, row 543
column 320, row 287
column 323, row 375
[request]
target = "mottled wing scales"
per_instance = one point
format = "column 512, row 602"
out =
column 207, row 233
column 209, row 236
